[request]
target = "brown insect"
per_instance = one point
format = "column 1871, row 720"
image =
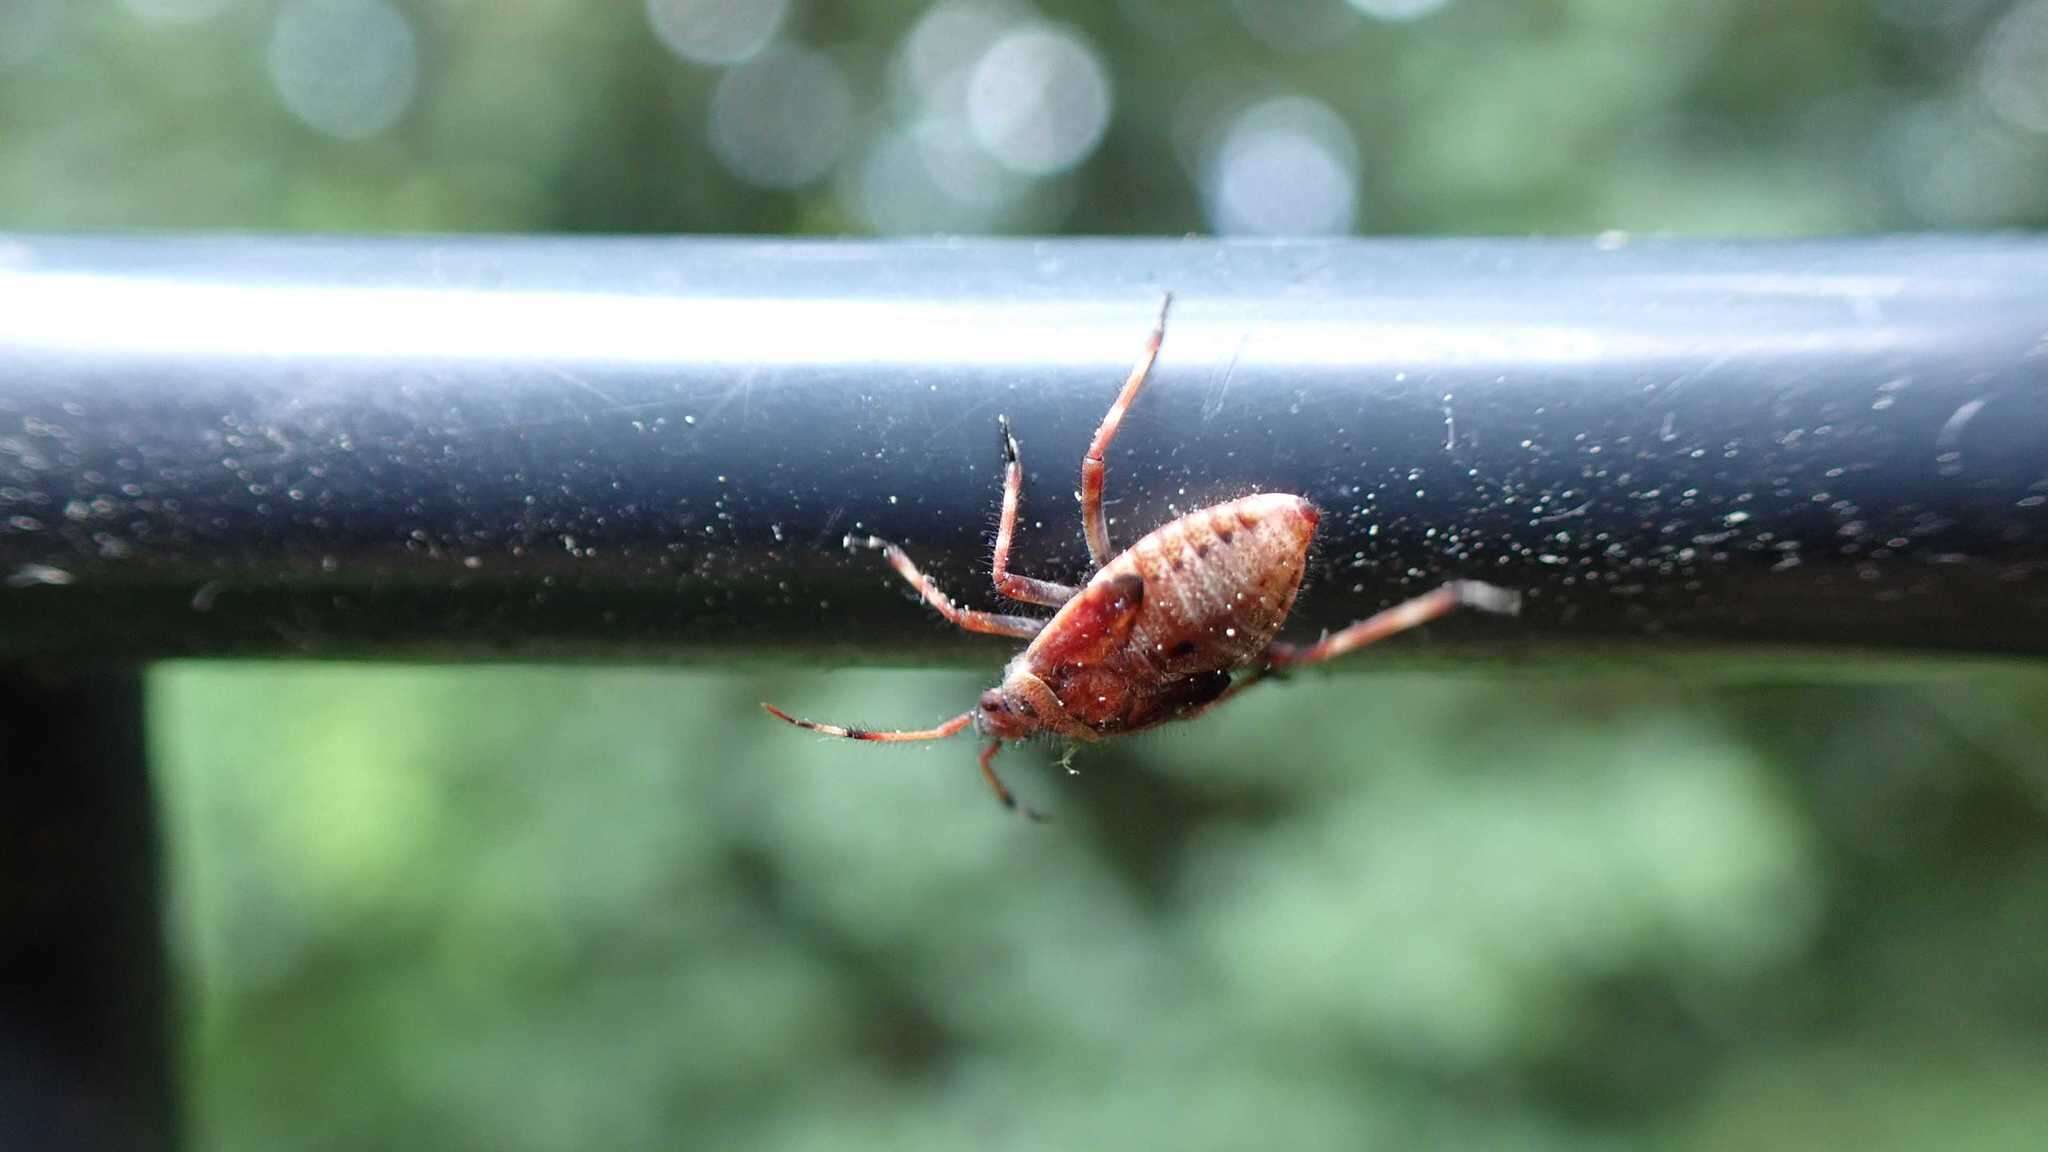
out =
column 1158, row 632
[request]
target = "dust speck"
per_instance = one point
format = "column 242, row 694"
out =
column 30, row 575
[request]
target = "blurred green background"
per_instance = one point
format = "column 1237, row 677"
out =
column 551, row 909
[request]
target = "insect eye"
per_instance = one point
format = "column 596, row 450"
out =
column 992, row 701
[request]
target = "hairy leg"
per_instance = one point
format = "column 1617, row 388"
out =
column 1024, row 588
column 1401, row 617
column 995, row 624
column 1281, row 657
column 1092, row 466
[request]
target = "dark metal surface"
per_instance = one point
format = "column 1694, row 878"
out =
column 623, row 448
column 85, row 1051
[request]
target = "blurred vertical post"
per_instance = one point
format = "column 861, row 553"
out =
column 84, row 1036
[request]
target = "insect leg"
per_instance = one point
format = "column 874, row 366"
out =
column 1092, row 466
column 1023, row 588
column 956, row 724
column 1401, row 617
column 1021, row 627
column 995, row 782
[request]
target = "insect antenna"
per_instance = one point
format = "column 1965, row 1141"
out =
column 951, row 727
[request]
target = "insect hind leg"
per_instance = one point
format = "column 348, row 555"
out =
column 1400, row 618
column 1281, row 658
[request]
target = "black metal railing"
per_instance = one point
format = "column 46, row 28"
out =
column 536, row 448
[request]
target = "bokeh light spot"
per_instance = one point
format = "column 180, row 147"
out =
column 1039, row 100
column 780, row 120
column 1305, row 26
column 931, row 178
column 2015, row 72
column 1956, row 166
column 176, row 11
column 1397, row 10
column 716, row 31
column 933, row 67
column 1286, row 167
column 345, row 68
column 1931, row 13
column 26, row 27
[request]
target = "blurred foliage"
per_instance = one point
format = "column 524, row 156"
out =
column 531, row 909
column 1739, row 116
column 548, row 909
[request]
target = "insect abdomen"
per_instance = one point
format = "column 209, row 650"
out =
column 1219, row 581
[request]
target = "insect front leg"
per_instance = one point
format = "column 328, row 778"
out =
column 995, row 624
column 1092, row 466
column 1024, row 588
column 1002, row 791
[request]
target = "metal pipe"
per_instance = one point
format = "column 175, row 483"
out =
column 86, row 1044
column 542, row 448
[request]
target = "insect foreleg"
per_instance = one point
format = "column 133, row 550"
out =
column 1024, row 588
column 995, row 782
column 995, row 624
